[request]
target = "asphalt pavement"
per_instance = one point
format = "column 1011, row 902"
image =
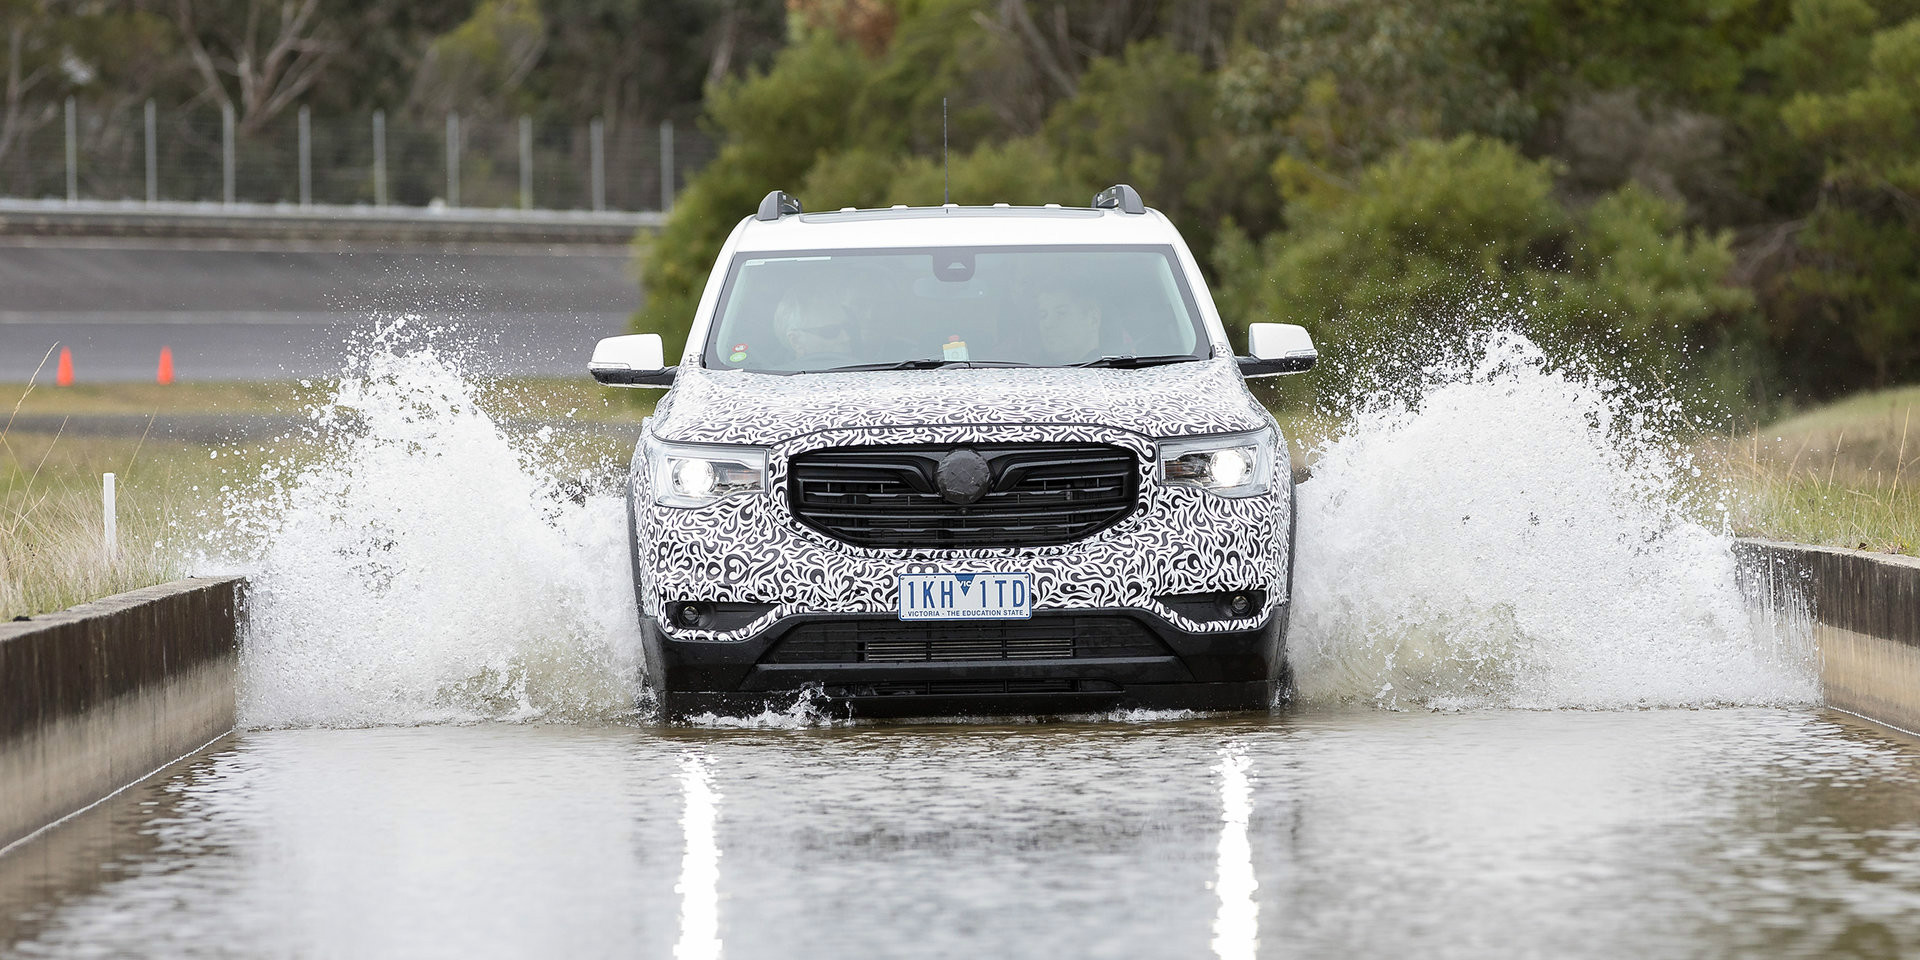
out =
column 276, row 309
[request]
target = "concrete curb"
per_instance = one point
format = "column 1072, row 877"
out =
column 1865, row 613
column 98, row 696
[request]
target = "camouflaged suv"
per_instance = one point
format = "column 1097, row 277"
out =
column 972, row 460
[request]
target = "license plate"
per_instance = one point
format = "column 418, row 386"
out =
column 966, row 596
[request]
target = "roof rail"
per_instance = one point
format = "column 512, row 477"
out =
column 1119, row 196
column 778, row 204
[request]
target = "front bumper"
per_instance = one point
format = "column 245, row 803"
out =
column 1158, row 666
column 751, row 554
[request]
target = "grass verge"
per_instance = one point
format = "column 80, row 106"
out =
column 52, row 542
column 1846, row 474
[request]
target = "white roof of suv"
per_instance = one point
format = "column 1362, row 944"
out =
column 956, row 226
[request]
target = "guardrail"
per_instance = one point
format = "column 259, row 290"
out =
column 318, row 222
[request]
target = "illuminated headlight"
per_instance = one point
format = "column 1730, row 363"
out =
column 694, row 475
column 1232, row 465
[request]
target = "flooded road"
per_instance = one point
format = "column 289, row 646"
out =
column 1326, row 832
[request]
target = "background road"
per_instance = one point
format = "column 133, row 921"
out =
column 273, row 309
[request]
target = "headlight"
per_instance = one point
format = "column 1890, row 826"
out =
column 1231, row 465
column 696, row 474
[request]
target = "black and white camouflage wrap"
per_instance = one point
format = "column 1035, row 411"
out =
column 749, row 548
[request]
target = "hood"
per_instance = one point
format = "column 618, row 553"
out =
column 1178, row 399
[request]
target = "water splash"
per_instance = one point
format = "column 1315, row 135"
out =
column 1521, row 535
column 1502, row 532
column 807, row 710
column 419, row 563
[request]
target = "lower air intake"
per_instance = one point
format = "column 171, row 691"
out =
column 1045, row 637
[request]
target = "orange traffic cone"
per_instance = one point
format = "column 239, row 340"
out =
column 165, row 374
column 64, row 377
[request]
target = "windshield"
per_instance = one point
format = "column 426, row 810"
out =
column 811, row 311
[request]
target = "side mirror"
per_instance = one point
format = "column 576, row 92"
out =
column 637, row 360
column 1278, row 348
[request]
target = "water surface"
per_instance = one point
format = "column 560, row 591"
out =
column 1732, row 832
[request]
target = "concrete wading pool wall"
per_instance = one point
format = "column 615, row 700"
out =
column 96, row 697
column 1865, row 609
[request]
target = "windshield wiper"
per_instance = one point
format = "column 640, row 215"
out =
column 923, row 363
column 1128, row 362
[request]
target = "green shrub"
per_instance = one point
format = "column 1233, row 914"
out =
column 1469, row 232
column 1423, row 231
column 1860, row 272
column 775, row 123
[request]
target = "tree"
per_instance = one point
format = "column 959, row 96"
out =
column 640, row 63
column 32, row 62
column 108, row 56
column 1442, row 233
column 1150, row 118
column 1859, row 261
column 480, row 66
column 257, row 56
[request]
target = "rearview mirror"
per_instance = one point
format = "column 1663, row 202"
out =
column 1276, row 349
column 637, row 360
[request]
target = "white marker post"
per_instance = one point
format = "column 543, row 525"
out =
column 111, row 523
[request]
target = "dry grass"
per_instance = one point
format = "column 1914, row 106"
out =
column 84, row 399
column 52, row 553
column 52, row 548
column 1847, row 474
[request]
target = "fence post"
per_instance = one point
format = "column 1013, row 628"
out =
column 597, row 147
column 453, row 159
column 110, row 524
column 153, row 160
column 379, row 158
column 306, row 157
column 226, row 153
column 526, row 162
column 73, row 154
column 666, row 166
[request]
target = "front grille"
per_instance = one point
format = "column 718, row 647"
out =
column 1045, row 637
column 1036, row 495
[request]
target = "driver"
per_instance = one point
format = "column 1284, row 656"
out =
column 813, row 327
column 1069, row 326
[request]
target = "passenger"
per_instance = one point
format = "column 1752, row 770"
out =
column 814, row 328
column 1069, row 326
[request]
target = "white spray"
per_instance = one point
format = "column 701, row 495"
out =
column 1507, row 534
column 427, row 567
column 1517, row 536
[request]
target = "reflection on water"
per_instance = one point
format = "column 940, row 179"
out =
column 1236, row 928
column 1741, row 832
column 699, row 885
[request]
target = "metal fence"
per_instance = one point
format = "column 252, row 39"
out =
column 200, row 156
